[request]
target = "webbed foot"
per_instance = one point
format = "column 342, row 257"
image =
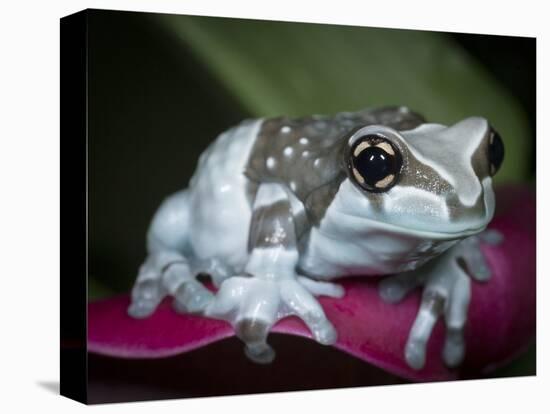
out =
column 174, row 279
column 253, row 305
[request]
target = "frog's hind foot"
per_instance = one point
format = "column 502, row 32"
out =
column 190, row 295
column 165, row 275
column 167, row 269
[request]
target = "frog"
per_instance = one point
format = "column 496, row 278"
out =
column 280, row 209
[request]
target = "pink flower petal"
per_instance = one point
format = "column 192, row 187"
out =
column 501, row 315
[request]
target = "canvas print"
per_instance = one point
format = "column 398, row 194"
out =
column 280, row 206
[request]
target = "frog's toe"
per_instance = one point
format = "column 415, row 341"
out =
column 261, row 354
column 470, row 257
column 320, row 288
column 300, row 302
column 141, row 309
column 492, row 237
column 474, row 265
column 393, row 289
column 253, row 332
column 324, row 332
column 253, row 314
column 453, row 350
column 415, row 354
column 431, row 308
column 191, row 297
column 146, row 296
column 456, row 314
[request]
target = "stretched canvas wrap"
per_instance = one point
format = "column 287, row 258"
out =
column 268, row 206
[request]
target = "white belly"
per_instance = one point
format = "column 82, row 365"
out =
column 220, row 210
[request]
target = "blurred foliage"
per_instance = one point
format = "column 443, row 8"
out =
column 280, row 68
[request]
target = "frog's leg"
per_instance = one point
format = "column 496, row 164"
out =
column 166, row 270
column 269, row 288
column 446, row 282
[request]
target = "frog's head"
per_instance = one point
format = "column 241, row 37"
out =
column 433, row 178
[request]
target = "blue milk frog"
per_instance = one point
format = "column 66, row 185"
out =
column 278, row 209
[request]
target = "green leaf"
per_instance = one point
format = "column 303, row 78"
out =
column 281, row 68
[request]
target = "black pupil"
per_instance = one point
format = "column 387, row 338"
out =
column 496, row 151
column 375, row 164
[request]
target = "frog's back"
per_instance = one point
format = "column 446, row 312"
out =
column 305, row 154
column 302, row 154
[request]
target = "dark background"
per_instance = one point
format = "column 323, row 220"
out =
column 144, row 88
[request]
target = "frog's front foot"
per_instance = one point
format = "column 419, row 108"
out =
column 253, row 305
column 446, row 282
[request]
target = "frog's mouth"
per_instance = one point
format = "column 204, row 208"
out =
column 416, row 227
column 413, row 213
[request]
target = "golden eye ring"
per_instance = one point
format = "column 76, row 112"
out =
column 374, row 163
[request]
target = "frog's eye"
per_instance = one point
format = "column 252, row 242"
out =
column 375, row 163
column 496, row 151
